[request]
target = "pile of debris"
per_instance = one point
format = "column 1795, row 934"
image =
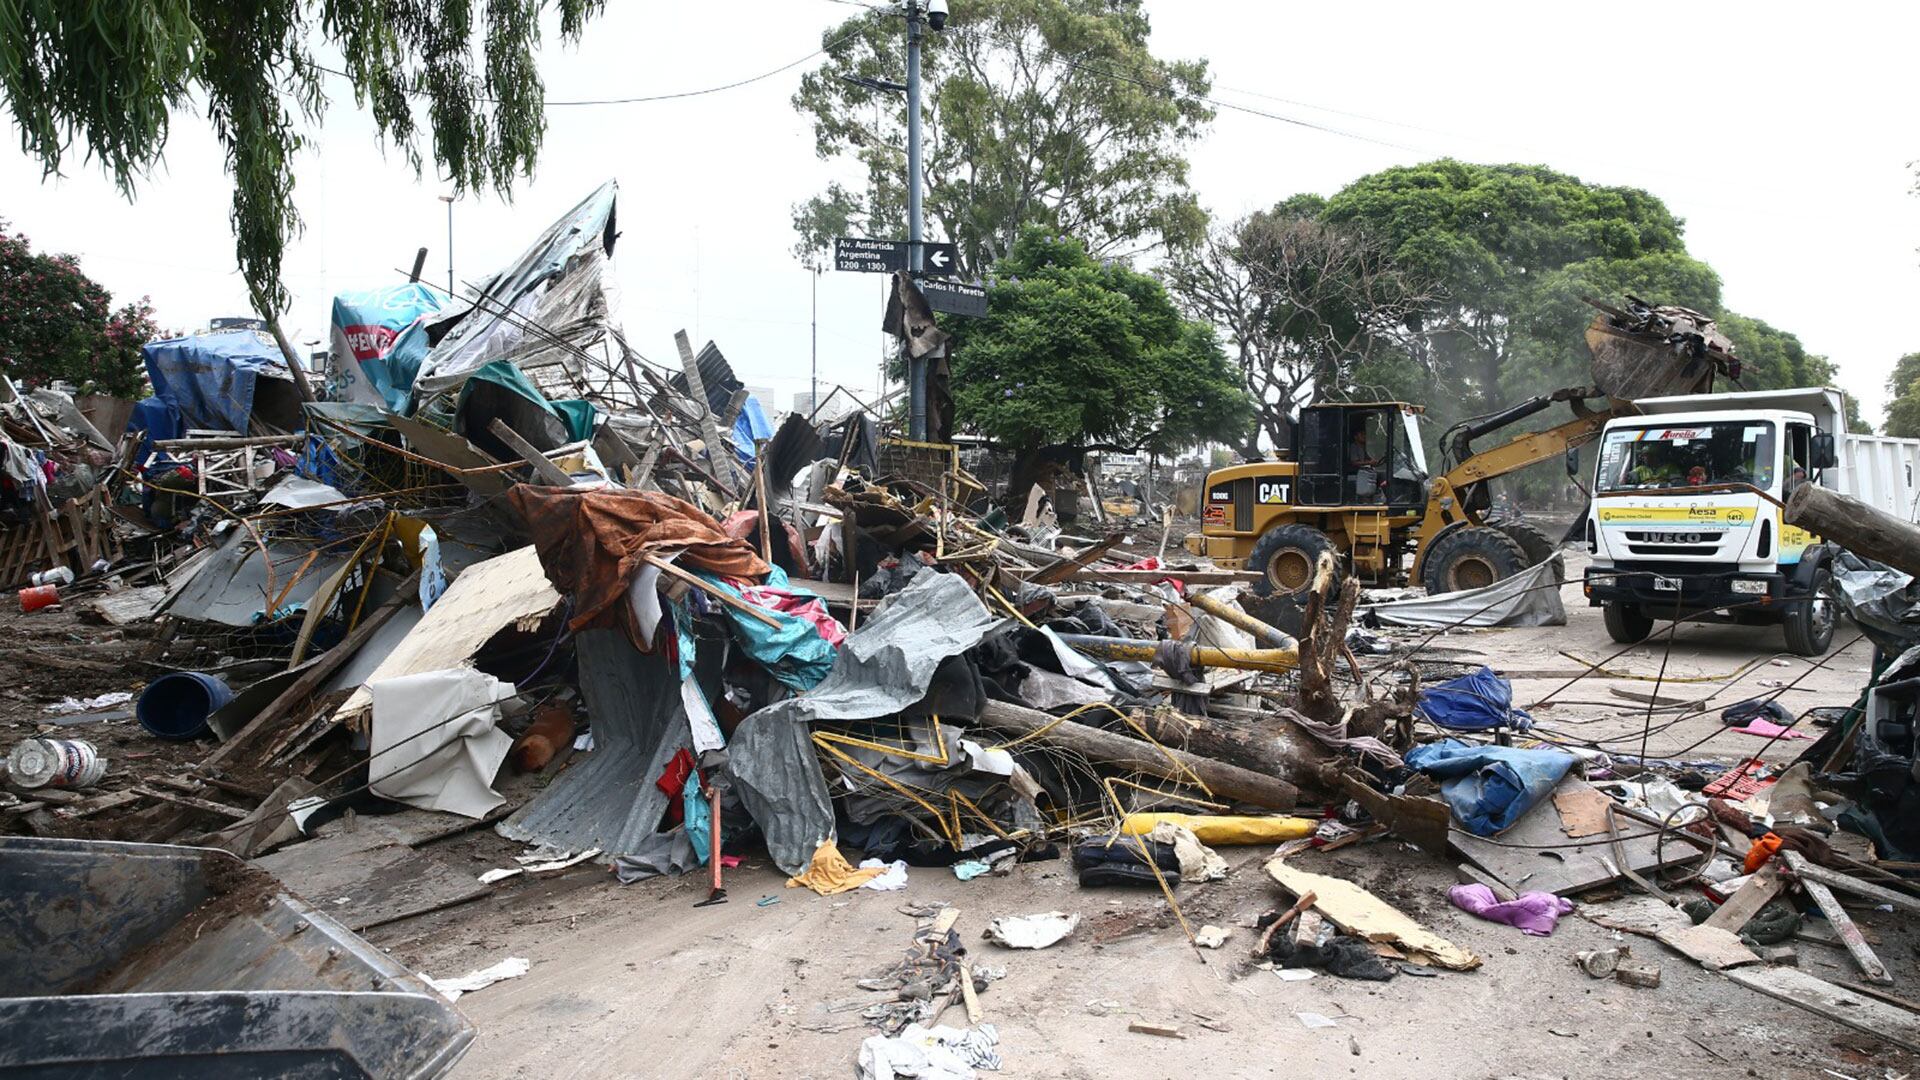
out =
column 516, row 575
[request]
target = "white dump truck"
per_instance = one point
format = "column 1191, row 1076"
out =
column 1677, row 531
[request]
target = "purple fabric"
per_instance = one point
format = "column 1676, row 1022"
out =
column 1534, row 913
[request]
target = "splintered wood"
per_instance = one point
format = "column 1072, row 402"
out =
column 1360, row 913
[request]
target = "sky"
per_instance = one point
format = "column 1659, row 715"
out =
column 1783, row 137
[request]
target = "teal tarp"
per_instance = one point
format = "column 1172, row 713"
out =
column 577, row 414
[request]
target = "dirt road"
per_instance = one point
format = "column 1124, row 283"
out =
column 637, row 982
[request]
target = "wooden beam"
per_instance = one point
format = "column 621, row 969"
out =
column 549, row 473
column 1148, row 577
column 228, row 442
column 322, row 668
column 222, row 809
column 1806, row 871
column 710, row 589
column 1062, row 568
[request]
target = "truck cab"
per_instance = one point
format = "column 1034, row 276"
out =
column 1686, row 523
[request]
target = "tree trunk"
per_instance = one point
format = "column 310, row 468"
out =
column 1861, row 529
column 1227, row 782
column 1271, row 747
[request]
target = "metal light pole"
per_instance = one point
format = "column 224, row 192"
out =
column 448, row 199
column 813, row 402
column 916, row 257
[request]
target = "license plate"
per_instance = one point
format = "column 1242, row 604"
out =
column 1666, row 584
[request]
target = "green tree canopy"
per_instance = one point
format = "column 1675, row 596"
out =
column 58, row 323
column 1513, row 246
column 1903, row 397
column 1037, row 112
column 1089, row 355
column 113, row 76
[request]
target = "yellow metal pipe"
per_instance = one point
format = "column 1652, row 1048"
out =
column 1277, row 661
column 1265, row 633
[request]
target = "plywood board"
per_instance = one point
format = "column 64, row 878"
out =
column 1537, row 855
column 1836, row 1003
column 1360, row 913
column 507, row 590
column 1583, row 811
column 367, row 877
column 1709, row 946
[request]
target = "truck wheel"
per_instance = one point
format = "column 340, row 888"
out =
column 1534, row 543
column 1626, row 623
column 1285, row 558
column 1471, row 558
column 1809, row 625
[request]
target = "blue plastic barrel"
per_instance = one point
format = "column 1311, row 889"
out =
column 176, row 706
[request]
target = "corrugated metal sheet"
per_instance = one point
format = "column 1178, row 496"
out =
column 607, row 798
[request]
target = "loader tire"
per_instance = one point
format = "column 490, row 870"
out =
column 1533, row 543
column 1471, row 558
column 1626, row 623
column 1285, row 559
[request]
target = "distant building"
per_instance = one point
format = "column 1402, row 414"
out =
column 803, row 402
column 764, row 395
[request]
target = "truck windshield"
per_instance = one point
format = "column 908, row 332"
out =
column 1690, row 454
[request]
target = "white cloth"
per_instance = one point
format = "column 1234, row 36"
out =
column 436, row 744
column 894, row 878
column 940, row 1053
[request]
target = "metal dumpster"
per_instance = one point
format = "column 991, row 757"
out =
column 150, row 960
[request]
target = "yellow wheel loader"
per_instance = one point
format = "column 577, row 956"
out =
column 1355, row 482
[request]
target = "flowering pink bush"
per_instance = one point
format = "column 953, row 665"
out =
column 58, row 323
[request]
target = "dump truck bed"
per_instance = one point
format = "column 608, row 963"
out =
column 137, row 960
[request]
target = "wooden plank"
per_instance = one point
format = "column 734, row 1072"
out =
column 1747, row 901
column 1869, row 964
column 969, row 994
column 1148, row 577
column 547, row 471
column 1847, row 883
column 1836, row 1003
column 718, row 452
column 1709, row 946
column 719, row 594
column 222, row 809
column 303, row 687
column 1356, row 911
column 1061, row 568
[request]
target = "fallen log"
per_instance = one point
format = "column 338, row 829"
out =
column 1227, row 782
column 1267, row 744
column 1867, row 532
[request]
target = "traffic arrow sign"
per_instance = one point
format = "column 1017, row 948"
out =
column 955, row 297
column 941, row 259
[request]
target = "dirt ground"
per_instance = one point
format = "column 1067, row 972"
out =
column 637, row 982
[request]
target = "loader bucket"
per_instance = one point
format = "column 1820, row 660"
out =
column 150, row 960
column 1647, row 352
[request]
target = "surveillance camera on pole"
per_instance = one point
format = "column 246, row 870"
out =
column 937, row 14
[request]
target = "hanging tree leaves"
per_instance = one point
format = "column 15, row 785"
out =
column 105, row 80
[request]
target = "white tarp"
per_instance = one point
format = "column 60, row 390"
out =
column 436, row 743
column 1529, row 598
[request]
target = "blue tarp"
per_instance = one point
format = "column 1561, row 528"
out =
column 155, row 419
column 209, row 378
column 749, row 427
column 1472, row 702
column 1489, row 787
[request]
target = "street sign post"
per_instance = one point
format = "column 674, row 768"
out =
column 955, row 297
column 862, row 256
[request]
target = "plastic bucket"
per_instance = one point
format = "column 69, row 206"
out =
column 61, row 763
column 176, row 706
column 39, row 596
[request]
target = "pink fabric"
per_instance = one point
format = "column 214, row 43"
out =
column 1767, row 729
column 811, row 608
column 1533, row 913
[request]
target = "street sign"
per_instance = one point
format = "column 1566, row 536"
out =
column 941, row 259
column 955, row 297
column 862, row 256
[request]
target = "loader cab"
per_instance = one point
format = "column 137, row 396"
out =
column 1361, row 455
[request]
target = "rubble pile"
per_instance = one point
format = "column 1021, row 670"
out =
column 514, row 575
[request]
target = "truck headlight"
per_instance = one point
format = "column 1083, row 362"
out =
column 1750, row 586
